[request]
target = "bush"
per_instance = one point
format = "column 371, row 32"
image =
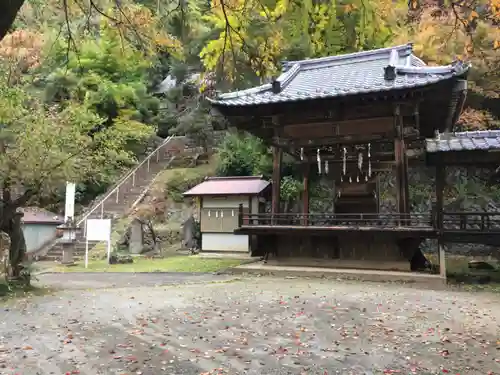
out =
column 243, row 156
column 179, row 183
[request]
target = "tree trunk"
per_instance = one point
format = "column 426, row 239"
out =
column 4, row 252
column 17, row 249
column 10, row 8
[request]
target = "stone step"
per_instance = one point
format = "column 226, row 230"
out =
column 118, row 204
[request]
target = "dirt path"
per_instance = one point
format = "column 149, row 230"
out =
column 254, row 326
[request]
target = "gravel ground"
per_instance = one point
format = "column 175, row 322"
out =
column 251, row 326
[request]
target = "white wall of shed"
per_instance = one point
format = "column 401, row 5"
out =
column 224, row 242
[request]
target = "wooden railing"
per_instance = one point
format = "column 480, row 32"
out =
column 468, row 222
column 361, row 220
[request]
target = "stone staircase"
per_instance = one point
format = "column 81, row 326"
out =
column 121, row 198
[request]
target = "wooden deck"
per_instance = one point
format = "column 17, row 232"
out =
column 403, row 231
column 412, row 225
column 471, row 227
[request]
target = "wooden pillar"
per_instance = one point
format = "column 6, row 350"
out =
column 305, row 193
column 406, row 182
column 401, row 164
column 440, row 183
column 377, row 192
column 275, row 203
column 442, row 260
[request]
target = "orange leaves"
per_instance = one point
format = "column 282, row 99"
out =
column 473, row 15
column 349, row 8
column 469, row 49
column 495, row 8
column 22, row 48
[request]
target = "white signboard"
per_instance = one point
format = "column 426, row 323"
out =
column 97, row 230
column 69, row 207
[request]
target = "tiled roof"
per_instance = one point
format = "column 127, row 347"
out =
column 464, row 141
column 229, row 186
column 356, row 73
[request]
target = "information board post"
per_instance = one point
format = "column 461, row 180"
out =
column 97, row 230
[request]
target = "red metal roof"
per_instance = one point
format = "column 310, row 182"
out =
column 251, row 185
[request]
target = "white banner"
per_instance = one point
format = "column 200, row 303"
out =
column 69, row 207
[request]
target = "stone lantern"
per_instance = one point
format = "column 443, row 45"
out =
column 67, row 241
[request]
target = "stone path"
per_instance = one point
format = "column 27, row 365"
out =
column 91, row 280
column 252, row 326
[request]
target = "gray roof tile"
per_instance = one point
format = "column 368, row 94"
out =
column 464, row 141
column 351, row 74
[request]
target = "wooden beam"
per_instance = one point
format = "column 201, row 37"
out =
column 401, row 162
column 440, row 183
column 275, row 203
column 305, row 192
column 406, row 182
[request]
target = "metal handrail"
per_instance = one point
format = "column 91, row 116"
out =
column 101, row 202
column 124, row 179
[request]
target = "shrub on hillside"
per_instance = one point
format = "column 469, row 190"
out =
column 180, row 183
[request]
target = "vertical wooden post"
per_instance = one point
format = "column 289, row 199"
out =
column 401, row 164
column 440, row 182
column 442, row 260
column 305, row 193
column 406, row 182
column 275, row 203
column 240, row 215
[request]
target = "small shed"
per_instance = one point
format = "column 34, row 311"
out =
column 219, row 201
column 39, row 227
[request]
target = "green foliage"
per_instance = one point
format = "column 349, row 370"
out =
column 243, row 155
column 254, row 36
column 44, row 146
column 246, row 155
column 290, row 189
column 179, row 183
column 108, row 75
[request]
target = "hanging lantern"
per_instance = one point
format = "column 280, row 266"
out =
column 369, row 160
column 302, row 153
column 318, row 158
column 326, row 166
column 344, row 160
